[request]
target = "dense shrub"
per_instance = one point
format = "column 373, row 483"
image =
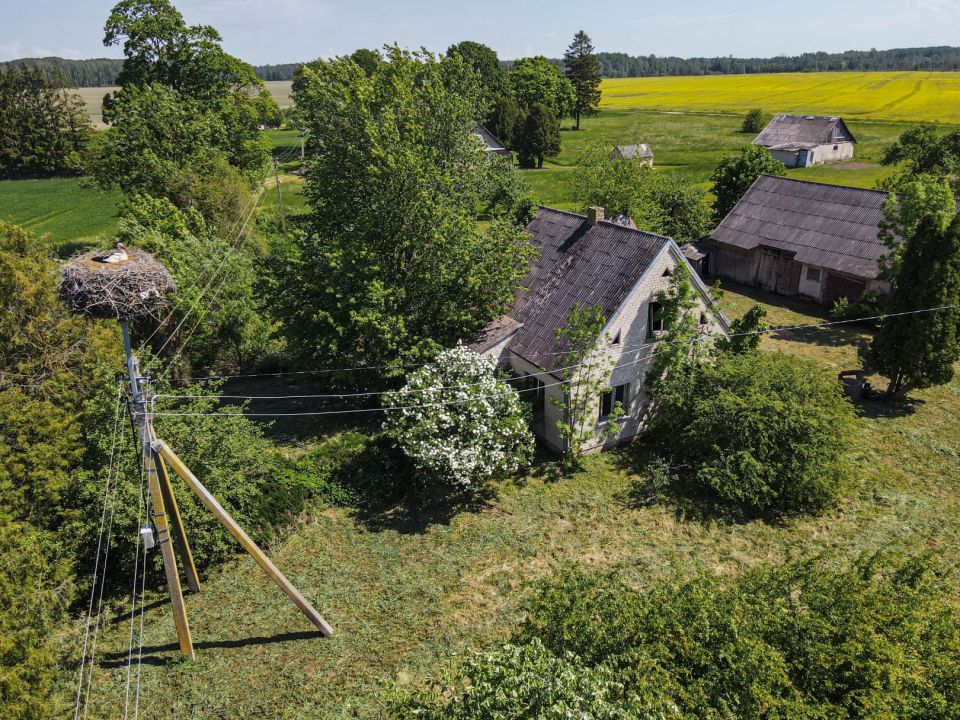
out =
column 34, row 590
column 735, row 174
column 761, row 433
column 752, row 121
column 805, row 640
column 870, row 304
column 461, row 425
column 529, row 682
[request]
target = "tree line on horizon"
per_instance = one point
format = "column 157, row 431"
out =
column 100, row 72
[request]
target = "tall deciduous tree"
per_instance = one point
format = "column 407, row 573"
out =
column 736, row 173
column 44, row 129
column 537, row 135
column 183, row 102
column 484, row 62
column 537, row 80
column 918, row 350
column 584, row 72
column 393, row 266
column 923, row 149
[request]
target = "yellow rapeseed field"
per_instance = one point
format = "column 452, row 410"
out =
column 900, row 96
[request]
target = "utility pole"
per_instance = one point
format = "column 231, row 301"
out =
column 160, row 494
column 276, row 172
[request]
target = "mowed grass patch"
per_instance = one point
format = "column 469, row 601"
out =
column 899, row 96
column 408, row 592
column 70, row 212
column 692, row 145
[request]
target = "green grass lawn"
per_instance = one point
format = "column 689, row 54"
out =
column 408, row 592
column 66, row 209
column 692, row 145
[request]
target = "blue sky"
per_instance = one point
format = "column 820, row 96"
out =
column 273, row 31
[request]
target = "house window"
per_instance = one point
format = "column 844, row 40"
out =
column 616, row 339
column 654, row 319
column 813, row 274
column 609, row 400
column 666, row 273
column 703, row 319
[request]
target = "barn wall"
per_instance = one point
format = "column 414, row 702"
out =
column 787, row 157
column 810, row 288
column 833, row 153
column 734, row 263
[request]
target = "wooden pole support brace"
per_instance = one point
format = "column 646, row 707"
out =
column 248, row 544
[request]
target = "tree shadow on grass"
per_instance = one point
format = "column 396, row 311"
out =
column 168, row 654
column 887, row 408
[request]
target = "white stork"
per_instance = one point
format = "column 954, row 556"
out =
column 116, row 256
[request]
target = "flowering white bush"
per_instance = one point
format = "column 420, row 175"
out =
column 460, row 424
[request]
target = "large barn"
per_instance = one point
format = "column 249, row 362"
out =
column 802, row 238
column 590, row 261
column 805, row 140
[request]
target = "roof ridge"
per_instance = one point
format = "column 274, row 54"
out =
column 823, row 184
column 606, row 222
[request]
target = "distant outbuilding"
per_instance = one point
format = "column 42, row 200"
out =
column 805, row 140
column 491, row 143
column 641, row 152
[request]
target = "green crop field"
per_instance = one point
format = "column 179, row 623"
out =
column 408, row 591
column 65, row 209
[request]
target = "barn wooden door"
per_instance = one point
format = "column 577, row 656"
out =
column 838, row 286
column 788, row 278
column 768, row 269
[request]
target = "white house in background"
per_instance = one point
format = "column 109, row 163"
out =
column 590, row 261
column 641, row 152
column 805, row 140
column 490, row 142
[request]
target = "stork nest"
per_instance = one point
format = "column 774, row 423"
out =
column 134, row 288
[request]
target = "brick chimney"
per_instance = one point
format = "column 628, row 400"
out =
column 594, row 215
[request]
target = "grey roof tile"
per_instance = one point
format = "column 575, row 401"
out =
column 590, row 264
column 794, row 132
column 830, row 226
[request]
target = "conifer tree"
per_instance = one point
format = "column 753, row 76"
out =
column 918, row 350
column 584, row 72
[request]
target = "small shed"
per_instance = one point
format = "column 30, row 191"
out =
column 641, row 152
column 805, row 140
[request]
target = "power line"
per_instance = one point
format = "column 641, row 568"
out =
column 352, row 411
column 628, row 348
column 220, row 268
column 107, row 492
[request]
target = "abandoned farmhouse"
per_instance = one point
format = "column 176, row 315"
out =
column 805, row 140
column 590, row 261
